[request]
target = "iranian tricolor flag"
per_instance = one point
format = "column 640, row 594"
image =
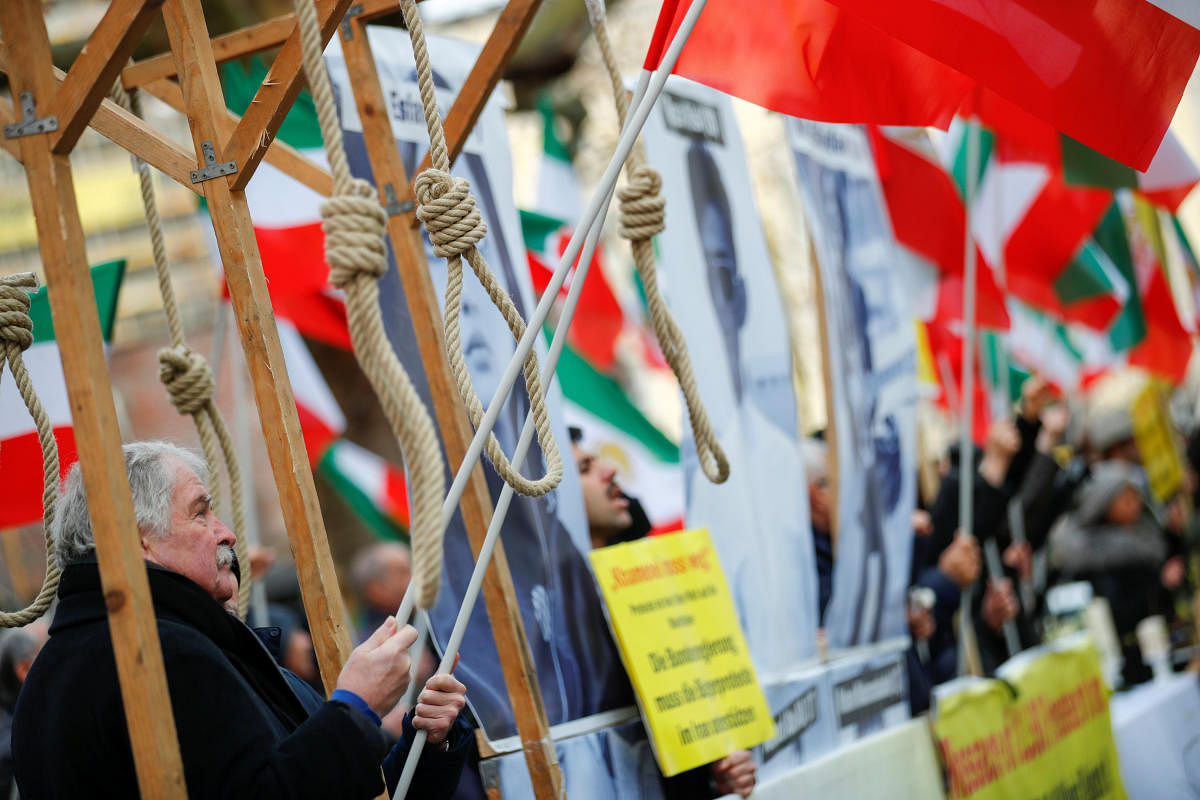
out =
column 321, row 418
column 810, row 59
column 1033, row 229
column 287, row 220
column 1108, row 73
column 20, row 451
column 599, row 318
column 647, row 462
column 559, row 193
column 373, row 487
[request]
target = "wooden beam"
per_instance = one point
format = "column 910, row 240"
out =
column 489, row 68
column 230, row 214
column 96, row 68
column 499, row 595
column 133, row 134
column 274, row 98
column 239, row 44
column 280, row 154
column 131, row 620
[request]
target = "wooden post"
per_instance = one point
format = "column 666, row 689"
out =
column 77, row 327
column 499, row 595
column 204, row 101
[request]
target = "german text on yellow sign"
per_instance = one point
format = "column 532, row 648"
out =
column 1044, row 734
column 673, row 619
column 1156, row 443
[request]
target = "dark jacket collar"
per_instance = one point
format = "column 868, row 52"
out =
column 178, row 599
column 175, row 597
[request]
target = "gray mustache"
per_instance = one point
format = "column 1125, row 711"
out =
column 225, row 556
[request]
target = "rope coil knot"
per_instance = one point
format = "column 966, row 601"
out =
column 354, row 227
column 643, row 208
column 188, row 379
column 447, row 208
column 16, row 326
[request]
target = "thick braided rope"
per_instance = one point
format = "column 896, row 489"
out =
column 354, row 227
column 16, row 334
column 186, row 374
column 643, row 215
column 447, row 208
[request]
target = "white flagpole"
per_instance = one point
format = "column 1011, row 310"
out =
column 967, row 647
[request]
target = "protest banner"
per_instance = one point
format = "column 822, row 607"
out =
column 716, row 274
column 1152, row 431
column 1042, row 731
column 805, row 727
column 872, row 368
column 673, row 619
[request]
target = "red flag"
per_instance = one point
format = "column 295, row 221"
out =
column 808, row 59
column 1106, row 72
column 928, row 217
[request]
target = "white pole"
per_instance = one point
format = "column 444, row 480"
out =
column 966, row 462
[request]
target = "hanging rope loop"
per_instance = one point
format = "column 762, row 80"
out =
column 643, row 216
column 16, row 328
column 354, row 225
column 187, row 377
column 357, row 255
column 186, row 374
column 643, row 208
column 16, row 335
column 447, row 208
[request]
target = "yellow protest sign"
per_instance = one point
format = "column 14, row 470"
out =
column 674, row 622
column 1046, row 733
column 1156, row 443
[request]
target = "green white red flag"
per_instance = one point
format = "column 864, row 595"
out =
column 373, row 487
column 20, row 451
column 1108, row 73
column 647, row 462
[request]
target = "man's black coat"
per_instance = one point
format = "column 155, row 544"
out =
column 242, row 730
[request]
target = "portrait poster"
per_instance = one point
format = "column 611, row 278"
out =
column 718, row 280
column 546, row 539
column 872, row 367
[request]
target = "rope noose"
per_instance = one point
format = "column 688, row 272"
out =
column 447, row 208
column 186, row 374
column 16, row 334
column 355, row 225
column 643, row 215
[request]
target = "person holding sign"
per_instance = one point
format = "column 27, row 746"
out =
column 608, row 514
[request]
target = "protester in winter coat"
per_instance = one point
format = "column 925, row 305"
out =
column 1112, row 540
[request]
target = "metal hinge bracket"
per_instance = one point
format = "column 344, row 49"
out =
column 352, row 11
column 393, row 206
column 212, row 169
column 29, row 124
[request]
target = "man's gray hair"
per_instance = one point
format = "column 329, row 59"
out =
column 151, row 482
column 368, row 566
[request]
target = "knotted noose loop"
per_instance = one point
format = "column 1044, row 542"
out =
column 187, row 377
column 354, row 225
column 16, row 335
column 643, row 214
column 447, row 208
column 186, row 374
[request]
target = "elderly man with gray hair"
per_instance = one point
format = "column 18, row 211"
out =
column 243, row 732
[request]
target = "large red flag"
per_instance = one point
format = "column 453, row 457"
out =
column 1106, row 72
column 808, row 59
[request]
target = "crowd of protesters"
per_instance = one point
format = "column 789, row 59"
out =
column 1055, row 501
